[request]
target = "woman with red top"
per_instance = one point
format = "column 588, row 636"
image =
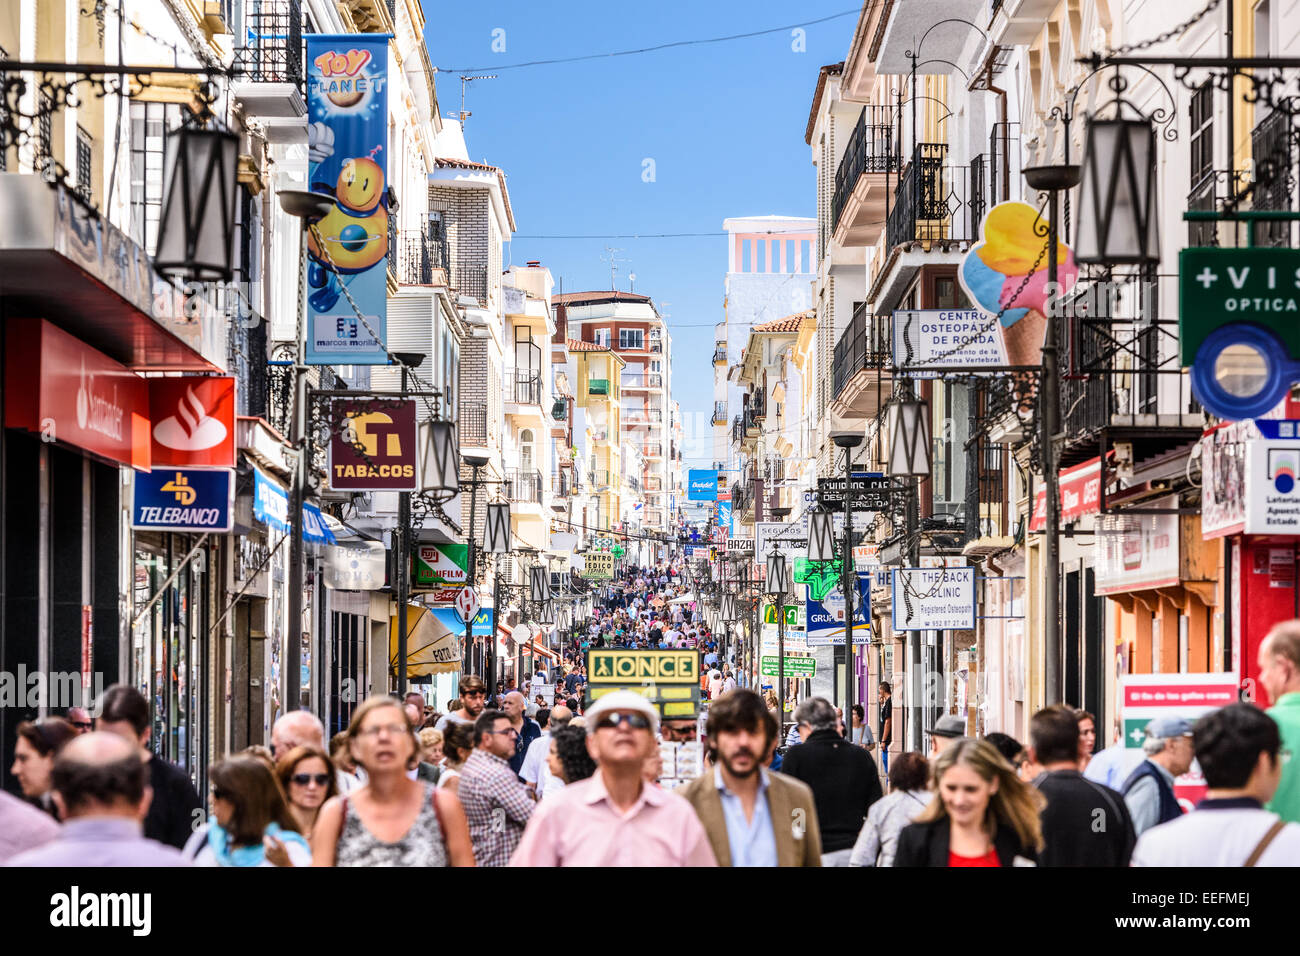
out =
column 981, row 814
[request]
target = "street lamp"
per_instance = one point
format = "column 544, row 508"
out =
column 496, row 540
column 1054, row 180
column 778, row 586
column 196, row 225
column 1117, row 194
column 821, row 536
column 848, row 439
column 908, row 427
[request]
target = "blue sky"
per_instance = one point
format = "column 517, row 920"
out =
column 723, row 124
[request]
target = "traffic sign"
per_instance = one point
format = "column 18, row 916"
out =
column 870, row 492
column 467, row 603
column 794, row 667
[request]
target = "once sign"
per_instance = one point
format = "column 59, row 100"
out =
column 670, row 679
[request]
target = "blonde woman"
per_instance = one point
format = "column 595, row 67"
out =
column 981, row 814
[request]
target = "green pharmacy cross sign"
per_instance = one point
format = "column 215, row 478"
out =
column 822, row 577
column 1239, row 327
column 618, row 551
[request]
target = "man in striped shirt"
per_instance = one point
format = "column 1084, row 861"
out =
column 497, row 805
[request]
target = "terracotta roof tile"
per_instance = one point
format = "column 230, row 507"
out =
column 790, row 323
column 576, row 346
column 609, row 295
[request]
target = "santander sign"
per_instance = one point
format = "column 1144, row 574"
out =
column 193, row 421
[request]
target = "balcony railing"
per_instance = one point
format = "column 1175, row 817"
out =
column 932, row 202
column 597, row 386
column 720, row 355
column 1270, row 145
column 871, row 149
column 471, row 281
column 758, row 405
column 473, row 423
column 652, row 450
column 864, row 345
column 524, row 485
column 527, row 386
column 272, row 49
column 719, row 413
column 415, row 256
column 738, row 429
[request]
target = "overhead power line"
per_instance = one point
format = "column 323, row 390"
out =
column 651, row 49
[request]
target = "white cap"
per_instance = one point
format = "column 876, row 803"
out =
column 622, row 700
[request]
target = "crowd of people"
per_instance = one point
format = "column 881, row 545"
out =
column 501, row 780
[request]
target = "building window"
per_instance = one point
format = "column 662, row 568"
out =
column 83, row 163
column 149, row 125
column 631, row 339
column 602, row 338
column 45, row 132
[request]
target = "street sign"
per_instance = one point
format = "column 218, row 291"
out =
column 467, row 603
column 801, row 667
column 669, row 679
column 934, row 599
column 870, row 492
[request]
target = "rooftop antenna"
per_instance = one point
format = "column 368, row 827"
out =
column 613, row 259
column 631, row 282
column 466, row 79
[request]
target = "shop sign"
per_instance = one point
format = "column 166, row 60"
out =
column 702, row 485
column 356, row 566
column 945, row 338
column 933, row 599
column 1080, row 495
column 72, row 394
column 450, row 618
column 271, row 507
column 1144, row 697
column 1223, row 479
column 669, row 679
column 738, row 545
column 183, row 499
column 1135, row 552
column 347, row 113
column 193, row 421
column 440, row 566
column 827, row 610
column 801, row 667
column 599, row 566
column 1273, row 487
column 385, row 432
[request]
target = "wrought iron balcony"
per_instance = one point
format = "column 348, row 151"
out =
column 527, row 386
column 871, row 149
column 738, row 429
column 720, row 354
column 863, row 346
column 524, row 486
column 932, row 202
column 415, row 257
column 719, row 413
column 1270, row 145
column 473, row 424
column 272, row 47
column 758, row 405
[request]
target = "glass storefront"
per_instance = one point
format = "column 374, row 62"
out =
column 169, row 650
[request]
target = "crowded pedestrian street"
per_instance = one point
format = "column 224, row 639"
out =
column 524, row 436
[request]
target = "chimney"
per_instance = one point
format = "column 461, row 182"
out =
column 534, row 263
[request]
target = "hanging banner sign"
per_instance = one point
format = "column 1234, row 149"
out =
column 436, row 566
column 193, row 421
column 940, row 599
column 356, row 566
column 1272, row 487
column 1134, row 553
column 669, row 679
column 271, row 507
column 931, row 339
column 347, row 142
column 870, row 492
column 174, row 499
column 386, row 432
column 827, row 611
column 701, row 485
column 1080, row 494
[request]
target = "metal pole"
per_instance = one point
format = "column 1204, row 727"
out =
column 402, row 570
column 780, row 667
column 490, row 649
column 1050, row 425
column 850, row 593
column 293, row 644
column 466, row 664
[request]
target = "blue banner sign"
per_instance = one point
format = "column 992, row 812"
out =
column 271, row 507
column 182, row 499
column 826, row 617
column 702, row 485
column 450, row 618
column 347, row 145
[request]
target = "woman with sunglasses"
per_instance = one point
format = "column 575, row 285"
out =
column 393, row 820
column 251, row 825
column 307, row 776
column 39, row 742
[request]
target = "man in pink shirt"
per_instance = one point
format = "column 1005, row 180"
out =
column 615, row 818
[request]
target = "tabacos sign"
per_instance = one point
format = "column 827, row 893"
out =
column 374, row 447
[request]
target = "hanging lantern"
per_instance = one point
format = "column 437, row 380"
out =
column 778, row 584
column 496, row 538
column 1117, row 194
column 539, row 585
column 439, row 457
column 909, row 437
column 196, row 223
column 546, row 613
column 821, row 536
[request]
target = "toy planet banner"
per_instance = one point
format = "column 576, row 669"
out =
column 347, row 147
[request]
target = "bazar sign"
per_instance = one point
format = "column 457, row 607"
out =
column 933, row 599
column 70, row 393
column 193, row 421
column 374, row 447
column 1080, row 494
column 440, row 565
column 176, row 499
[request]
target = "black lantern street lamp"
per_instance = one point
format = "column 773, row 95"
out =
column 848, row 439
column 1117, row 194
column 1053, row 180
column 778, row 586
column 196, row 224
column 496, row 540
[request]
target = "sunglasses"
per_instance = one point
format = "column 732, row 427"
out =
column 83, row 724
column 302, row 779
column 634, row 721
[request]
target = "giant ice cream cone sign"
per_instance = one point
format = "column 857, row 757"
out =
column 1005, row 275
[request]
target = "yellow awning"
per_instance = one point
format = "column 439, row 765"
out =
column 430, row 647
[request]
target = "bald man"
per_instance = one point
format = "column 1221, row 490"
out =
column 536, row 772
column 302, row 728
column 101, row 789
column 527, row 729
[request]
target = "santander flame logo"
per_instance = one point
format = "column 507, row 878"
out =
column 191, row 428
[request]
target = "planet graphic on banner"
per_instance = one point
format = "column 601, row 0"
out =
column 1006, row 272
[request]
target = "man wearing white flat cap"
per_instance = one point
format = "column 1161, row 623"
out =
column 615, row 818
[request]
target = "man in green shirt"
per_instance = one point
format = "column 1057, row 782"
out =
column 1279, row 672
